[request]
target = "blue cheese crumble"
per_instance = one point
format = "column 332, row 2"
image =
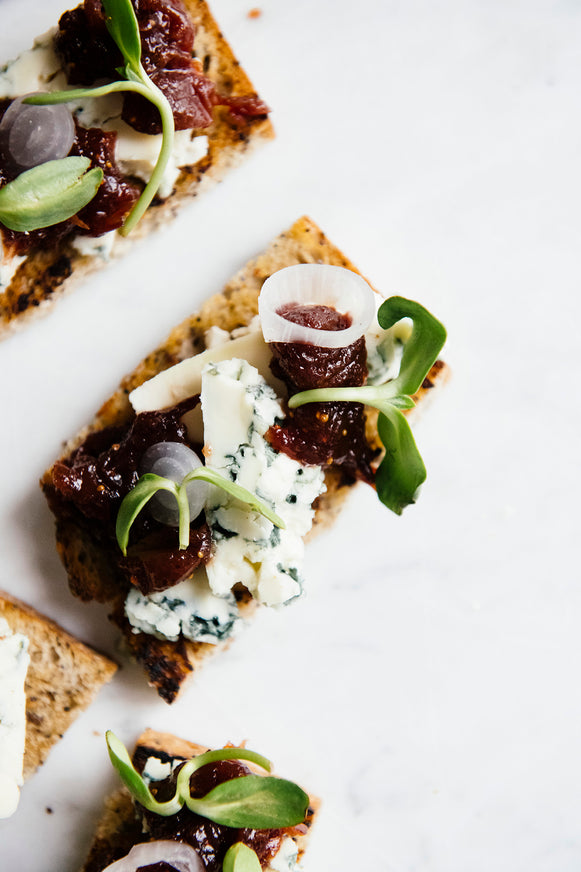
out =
column 238, row 407
column 189, row 609
column 156, row 770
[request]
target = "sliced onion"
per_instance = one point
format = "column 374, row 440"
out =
column 179, row 855
column 315, row 284
column 173, row 460
column 33, row 135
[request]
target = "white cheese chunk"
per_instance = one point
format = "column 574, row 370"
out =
column 184, row 380
column 8, row 267
column 189, row 609
column 14, row 660
column 215, row 337
column 96, row 246
column 253, row 326
column 286, row 858
column 37, row 69
column 238, row 408
column 156, row 770
column 384, row 349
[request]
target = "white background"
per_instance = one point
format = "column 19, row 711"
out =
column 427, row 687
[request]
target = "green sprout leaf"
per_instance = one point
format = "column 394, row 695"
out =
column 402, row 470
column 186, row 772
column 149, row 484
column 123, row 26
column 133, row 780
column 422, row 348
column 240, row 493
column 48, row 194
column 254, row 801
column 240, row 858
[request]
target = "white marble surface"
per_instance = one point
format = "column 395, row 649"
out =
column 428, row 685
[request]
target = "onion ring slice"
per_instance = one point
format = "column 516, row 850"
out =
column 33, row 135
column 316, row 284
column 179, row 855
column 173, row 460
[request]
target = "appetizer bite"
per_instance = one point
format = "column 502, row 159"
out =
column 192, row 809
column 107, row 124
column 187, row 501
column 47, row 679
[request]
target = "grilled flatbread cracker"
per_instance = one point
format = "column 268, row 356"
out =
column 46, row 276
column 63, row 678
column 118, row 830
column 91, row 572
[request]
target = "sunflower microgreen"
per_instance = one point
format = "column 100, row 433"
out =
column 124, row 29
column 149, row 484
column 48, row 194
column 251, row 801
column 240, row 858
column 402, row 470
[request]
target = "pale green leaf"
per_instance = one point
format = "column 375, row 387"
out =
column 253, row 801
column 136, row 500
column 48, row 194
column 123, row 26
column 240, row 858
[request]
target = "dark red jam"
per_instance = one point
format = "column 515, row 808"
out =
column 116, row 195
column 317, row 317
column 210, row 840
column 323, row 433
column 92, row 483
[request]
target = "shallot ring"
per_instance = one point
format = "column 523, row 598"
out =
column 316, row 284
column 177, row 854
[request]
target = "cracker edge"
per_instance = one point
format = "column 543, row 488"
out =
column 44, row 730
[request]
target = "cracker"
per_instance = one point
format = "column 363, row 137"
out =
column 91, row 572
column 48, row 275
column 63, row 678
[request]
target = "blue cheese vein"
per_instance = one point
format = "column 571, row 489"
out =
column 189, row 609
column 248, row 549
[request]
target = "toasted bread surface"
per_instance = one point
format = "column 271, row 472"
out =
column 118, row 830
column 168, row 665
column 63, row 678
column 46, row 276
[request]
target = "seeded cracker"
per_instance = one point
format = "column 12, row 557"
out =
column 90, row 571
